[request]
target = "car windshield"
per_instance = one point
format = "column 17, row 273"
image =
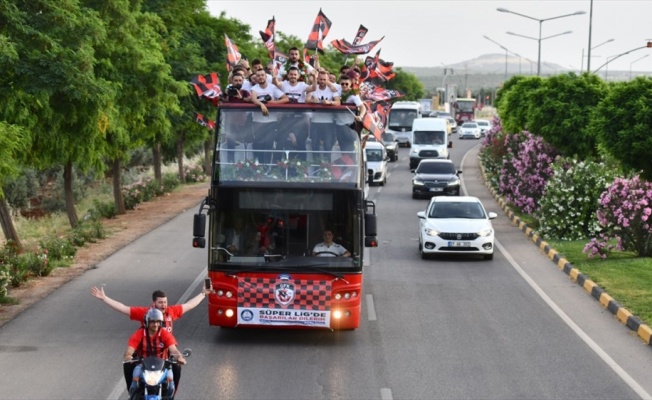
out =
column 388, row 137
column 374, row 155
column 442, row 168
column 429, row 137
column 483, row 123
column 469, row 125
column 466, row 210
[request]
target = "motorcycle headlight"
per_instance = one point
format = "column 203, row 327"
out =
column 153, row 378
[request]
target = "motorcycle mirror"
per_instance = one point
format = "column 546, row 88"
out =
column 186, row 352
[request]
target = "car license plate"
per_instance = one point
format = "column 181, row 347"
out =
column 436, row 189
column 459, row 244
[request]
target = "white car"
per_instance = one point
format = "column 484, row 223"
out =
column 470, row 129
column 456, row 225
column 485, row 126
column 377, row 160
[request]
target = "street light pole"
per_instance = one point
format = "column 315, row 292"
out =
column 588, row 66
column 539, row 40
column 541, row 21
column 622, row 54
column 630, row 65
column 502, row 47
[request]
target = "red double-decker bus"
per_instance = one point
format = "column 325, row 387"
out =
column 464, row 110
column 282, row 180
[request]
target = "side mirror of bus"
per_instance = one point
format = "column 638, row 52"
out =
column 370, row 225
column 199, row 231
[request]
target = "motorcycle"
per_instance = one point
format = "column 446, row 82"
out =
column 153, row 377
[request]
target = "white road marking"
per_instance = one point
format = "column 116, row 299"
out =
column 371, row 309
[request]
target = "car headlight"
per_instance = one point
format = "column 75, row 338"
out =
column 417, row 182
column 453, row 182
column 431, row 232
column 485, row 232
column 414, row 151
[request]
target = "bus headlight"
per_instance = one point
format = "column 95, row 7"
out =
column 229, row 313
column 337, row 314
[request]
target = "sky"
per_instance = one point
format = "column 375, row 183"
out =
column 436, row 33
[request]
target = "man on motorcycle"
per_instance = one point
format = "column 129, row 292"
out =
column 152, row 341
column 137, row 313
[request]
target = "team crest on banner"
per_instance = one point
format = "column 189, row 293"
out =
column 284, row 291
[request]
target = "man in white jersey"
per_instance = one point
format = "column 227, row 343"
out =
column 294, row 127
column 328, row 248
column 322, row 129
column 346, row 122
column 265, row 124
column 294, row 60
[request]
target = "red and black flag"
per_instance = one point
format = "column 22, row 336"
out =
column 372, row 123
column 201, row 120
column 207, row 86
column 307, row 58
column 362, row 31
column 384, row 70
column 348, row 48
column 318, row 33
column 375, row 68
column 369, row 91
column 232, row 53
column 268, row 37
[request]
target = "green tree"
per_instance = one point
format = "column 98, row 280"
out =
column 622, row 123
column 560, row 111
column 55, row 42
column 513, row 102
column 145, row 93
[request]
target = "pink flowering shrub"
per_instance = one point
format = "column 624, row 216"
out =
column 527, row 166
column 624, row 213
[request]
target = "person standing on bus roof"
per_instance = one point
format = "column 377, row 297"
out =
column 265, row 125
column 322, row 127
column 328, row 248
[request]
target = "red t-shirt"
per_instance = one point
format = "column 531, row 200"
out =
column 171, row 313
column 158, row 344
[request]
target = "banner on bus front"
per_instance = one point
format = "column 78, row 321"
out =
column 284, row 301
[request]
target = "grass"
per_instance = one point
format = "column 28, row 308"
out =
column 624, row 276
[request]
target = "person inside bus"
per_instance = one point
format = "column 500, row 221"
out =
column 235, row 239
column 328, row 248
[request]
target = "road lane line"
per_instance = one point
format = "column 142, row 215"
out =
column 386, row 394
column 578, row 331
column 371, row 309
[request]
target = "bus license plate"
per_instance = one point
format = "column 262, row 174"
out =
column 459, row 244
column 436, row 189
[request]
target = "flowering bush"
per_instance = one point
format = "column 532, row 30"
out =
column 492, row 152
column 568, row 207
column 624, row 213
column 247, row 170
column 194, row 173
column 526, row 170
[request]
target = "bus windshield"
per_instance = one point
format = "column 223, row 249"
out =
column 299, row 144
column 465, row 106
column 401, row 119
column 270, row 228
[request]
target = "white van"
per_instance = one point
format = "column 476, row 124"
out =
column 430, row 140
column 399, row 121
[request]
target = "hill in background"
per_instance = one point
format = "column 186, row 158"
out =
column 487, row 72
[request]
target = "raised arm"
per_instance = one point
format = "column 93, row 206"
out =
column 194, row 302
column 116, row 305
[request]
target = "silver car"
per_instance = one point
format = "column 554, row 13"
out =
column 470, row 130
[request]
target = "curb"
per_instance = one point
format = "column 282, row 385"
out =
column 624, row 316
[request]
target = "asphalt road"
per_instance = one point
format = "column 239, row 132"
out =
column 514, row 327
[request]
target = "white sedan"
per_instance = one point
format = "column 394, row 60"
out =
column 376, row 157
column 470, row 129
column 456, row 225
column 485, row 126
